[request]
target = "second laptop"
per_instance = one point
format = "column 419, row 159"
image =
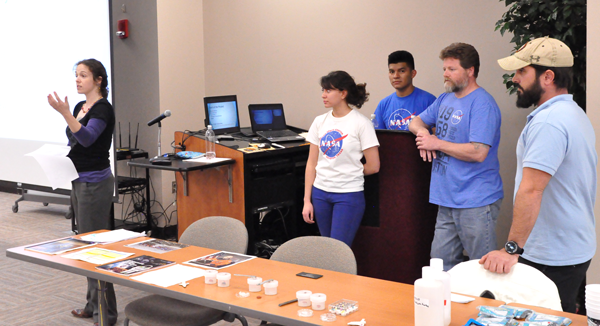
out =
column 268, row 121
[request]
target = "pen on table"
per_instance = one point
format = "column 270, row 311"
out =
column 277, row 145
column 287, row 302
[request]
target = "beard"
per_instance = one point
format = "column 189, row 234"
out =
column 529, row 97
column 452, row 87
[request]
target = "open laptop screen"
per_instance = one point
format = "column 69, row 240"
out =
column 267, row 117
column 222, row 113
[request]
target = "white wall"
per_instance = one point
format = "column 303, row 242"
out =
column 181, row 70
column 593, row 98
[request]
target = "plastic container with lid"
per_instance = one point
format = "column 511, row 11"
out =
column 444, row 277
column 303, row 298
column 271, row 287
column 318, row 301
column 223, row 279
column 429, row 299
column 210, row 276
column 343, row 307
column 253, row 284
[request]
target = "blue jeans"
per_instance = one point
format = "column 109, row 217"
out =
column 469, row 229
column 338, row 215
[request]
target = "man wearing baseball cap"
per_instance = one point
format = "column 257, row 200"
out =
column 553, row 227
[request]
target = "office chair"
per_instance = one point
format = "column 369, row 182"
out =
column 214, row 232
column 319, row 252
column 524, row 284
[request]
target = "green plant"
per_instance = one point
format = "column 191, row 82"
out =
column 563, row 19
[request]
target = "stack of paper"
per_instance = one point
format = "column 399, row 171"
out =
column 113, row 236
column 171, row 275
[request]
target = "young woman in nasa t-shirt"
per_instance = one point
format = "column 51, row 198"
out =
column 339, row 139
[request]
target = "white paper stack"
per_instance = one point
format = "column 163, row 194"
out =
column 171, row 275
column 113, row 236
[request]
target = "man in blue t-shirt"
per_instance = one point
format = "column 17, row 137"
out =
column 553, row 225
column 465, row 177
column 397, row 110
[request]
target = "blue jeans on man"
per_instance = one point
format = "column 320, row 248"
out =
column 470, row 229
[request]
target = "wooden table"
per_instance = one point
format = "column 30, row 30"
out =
column 380, row 302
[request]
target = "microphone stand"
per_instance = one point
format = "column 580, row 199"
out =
column 159, row 160
column 159, row 127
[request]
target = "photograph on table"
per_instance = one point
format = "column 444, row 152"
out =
column 135, row 265
column 157, row 245
column 60, row 246
column 219, row 260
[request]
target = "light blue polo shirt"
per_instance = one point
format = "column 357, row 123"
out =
column 559, row 140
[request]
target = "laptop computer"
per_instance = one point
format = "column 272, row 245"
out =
column 268, row 121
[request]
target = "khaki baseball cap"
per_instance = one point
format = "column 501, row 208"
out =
column 543, row 51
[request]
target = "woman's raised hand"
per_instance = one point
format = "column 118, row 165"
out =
column 59, row 105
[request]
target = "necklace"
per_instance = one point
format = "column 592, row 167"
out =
column 86, row 110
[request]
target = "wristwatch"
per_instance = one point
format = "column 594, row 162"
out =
column 513, row 248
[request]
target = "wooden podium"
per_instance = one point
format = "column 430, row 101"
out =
column 261, row 181
column 208, row 191
column 394, row 241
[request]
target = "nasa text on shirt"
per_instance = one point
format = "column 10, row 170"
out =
column 400, row 119
column 331, row 143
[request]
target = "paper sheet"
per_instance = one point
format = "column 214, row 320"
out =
column 59, row 169
column 98, row 256
column 460, row 298
column 171, row 275
column 205, row 160
column 113, row 236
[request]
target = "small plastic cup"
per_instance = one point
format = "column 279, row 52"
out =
column 271, row 287
column 210, row 276
column 253, row 284
column 223, row 280
column 303, row 298
column 318, row 301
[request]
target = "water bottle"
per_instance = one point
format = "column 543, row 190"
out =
column 373, row 121
column 444, row 277
column 211, row 139
column 429, row 299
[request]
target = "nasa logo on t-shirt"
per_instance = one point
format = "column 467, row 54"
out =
column 456, row 117
column 331, row 143
column 400, row 119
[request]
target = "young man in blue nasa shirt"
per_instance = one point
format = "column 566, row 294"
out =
column 398, row 109
column 553, row 225
column 465, row 177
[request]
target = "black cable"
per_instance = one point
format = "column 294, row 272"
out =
column 155, row 216
column 283, row 221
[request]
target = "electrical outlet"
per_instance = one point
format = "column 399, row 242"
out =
column 174, row 187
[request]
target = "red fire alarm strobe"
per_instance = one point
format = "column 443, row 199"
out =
column 123, row 28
